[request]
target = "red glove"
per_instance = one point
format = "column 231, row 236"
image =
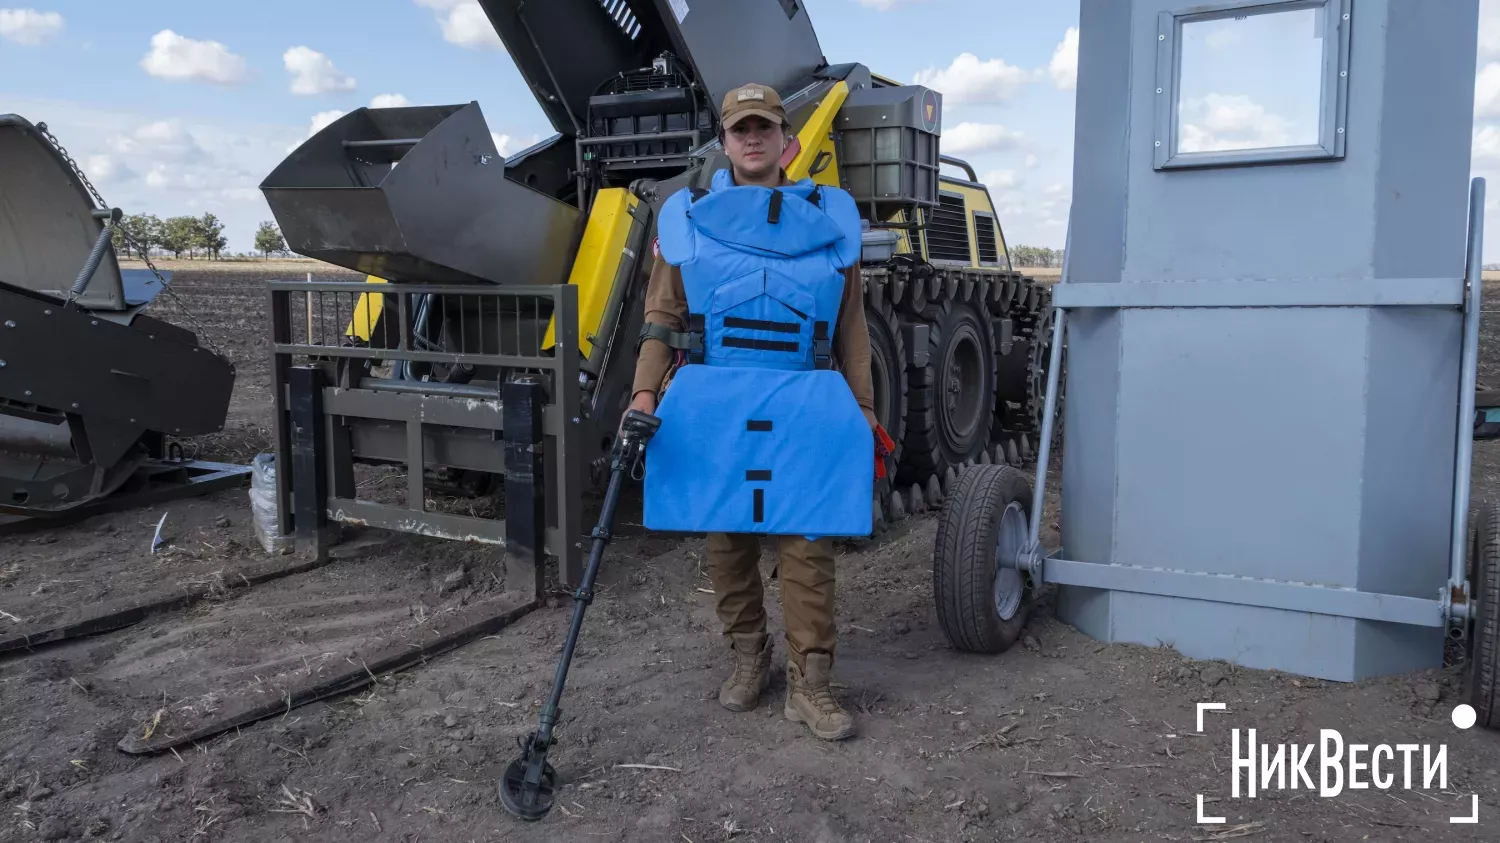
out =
column 884, row 447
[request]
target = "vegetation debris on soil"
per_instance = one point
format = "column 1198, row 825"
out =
column 1061, row 738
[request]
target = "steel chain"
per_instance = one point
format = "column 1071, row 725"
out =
column 78, row 173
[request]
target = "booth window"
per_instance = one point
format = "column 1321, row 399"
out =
column 1252, row 82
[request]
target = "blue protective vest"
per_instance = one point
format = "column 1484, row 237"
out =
column 760, row 434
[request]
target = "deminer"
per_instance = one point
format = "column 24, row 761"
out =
column 755, row 355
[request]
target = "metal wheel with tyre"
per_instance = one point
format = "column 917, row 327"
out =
column 951, row 399
column 1484, row 652
column 982, row 606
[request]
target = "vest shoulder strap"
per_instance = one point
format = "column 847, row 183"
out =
column 674, row 231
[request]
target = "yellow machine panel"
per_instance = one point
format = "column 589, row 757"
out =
column 366, row 312
column 816, row 141
column 598, row 262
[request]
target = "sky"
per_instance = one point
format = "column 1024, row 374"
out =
column 182, row 106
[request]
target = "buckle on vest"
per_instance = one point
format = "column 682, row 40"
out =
column 696, row 330
column 822, row 346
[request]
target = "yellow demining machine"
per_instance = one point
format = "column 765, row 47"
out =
column 491, row 349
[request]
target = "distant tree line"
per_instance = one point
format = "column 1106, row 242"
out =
column 1035, row 256
column 193, row 235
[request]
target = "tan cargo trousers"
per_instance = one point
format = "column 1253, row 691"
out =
column 806, row 575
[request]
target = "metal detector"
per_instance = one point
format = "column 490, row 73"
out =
column 529, row 785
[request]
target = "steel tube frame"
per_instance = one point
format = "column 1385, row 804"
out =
column 376, row 144
column 1248, row 591
column 1343, row 602
column 1458, row 610
column 435, row 405
column 484, row 389
column 1033, row 561
column 672, row 134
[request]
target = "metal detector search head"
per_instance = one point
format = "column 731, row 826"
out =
column 528, row 788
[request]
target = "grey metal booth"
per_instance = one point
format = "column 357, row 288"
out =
column 1270, row 351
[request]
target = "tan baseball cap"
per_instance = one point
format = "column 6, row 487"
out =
column 751, row 99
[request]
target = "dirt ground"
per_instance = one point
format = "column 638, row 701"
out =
column 1060, row 739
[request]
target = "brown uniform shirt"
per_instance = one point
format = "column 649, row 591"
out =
column 666, row 304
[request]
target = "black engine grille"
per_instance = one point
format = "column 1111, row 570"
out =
column 947, row 231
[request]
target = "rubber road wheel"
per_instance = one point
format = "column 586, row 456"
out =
column 951, row 406
column 981, row 607
column 1484, row 652
column 888, row 374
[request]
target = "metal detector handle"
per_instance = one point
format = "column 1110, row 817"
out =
column 635, row 431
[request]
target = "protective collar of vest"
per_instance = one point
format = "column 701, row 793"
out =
column 760, row 220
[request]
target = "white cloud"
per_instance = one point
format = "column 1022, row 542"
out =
column 157, row 178
column 464, row 23
column 968, row 138
column 146, row 163
column 103, row 169
column 968, row 79
column 1031, row 161
column 389, row 101
column 29, row 27
column 174, row 57
column 1489, row 28
column 323, row 120
column 1218, row 122
column 160, row 140
column 1064, row 65
column 882, row 5
column 1487, row 146
column 313, row 73
column 1487, row 91
column 1001, row 179
column 507, row 145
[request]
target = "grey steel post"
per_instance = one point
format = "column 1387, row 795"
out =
column 1033, row 562
column 1458, row 560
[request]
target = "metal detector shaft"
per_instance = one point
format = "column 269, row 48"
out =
column 582, row 598
column 526, row 788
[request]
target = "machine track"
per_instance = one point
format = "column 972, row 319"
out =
column 974, row 395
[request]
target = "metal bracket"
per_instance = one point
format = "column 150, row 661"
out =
column 1005, row 335
column 915, row 338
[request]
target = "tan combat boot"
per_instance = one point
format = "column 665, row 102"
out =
column 752, row 672
column 809, row 699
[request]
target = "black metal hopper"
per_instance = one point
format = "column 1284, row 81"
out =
column 90, row 386
column 419, row 194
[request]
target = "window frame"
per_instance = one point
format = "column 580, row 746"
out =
column 1332, row 123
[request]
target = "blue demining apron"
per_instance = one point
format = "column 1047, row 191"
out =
column 759, row 433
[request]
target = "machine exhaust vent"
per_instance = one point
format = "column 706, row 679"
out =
column 947, row 231
column 984, row 238
column 619, row 11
